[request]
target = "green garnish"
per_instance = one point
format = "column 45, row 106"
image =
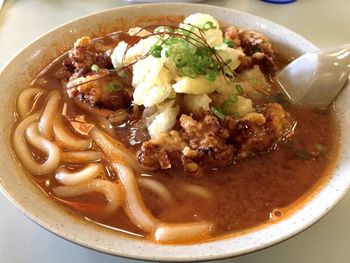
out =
column 303, row 155
column 95, row 67
column 218, row 112
column 180, row 60
column 229, row 43
column 187, row 47
column 239, row 89
column 187, row 71
column 184, row 32
column 321, row 149
column 113, row 87
column 190, row 57
column 211, row 75
column 221, row 111
column 208, row 25
column 156, row 51
column 231, row 99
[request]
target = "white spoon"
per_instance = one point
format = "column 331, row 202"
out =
column 315, row 79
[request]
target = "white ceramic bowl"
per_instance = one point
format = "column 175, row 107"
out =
column 16, row 185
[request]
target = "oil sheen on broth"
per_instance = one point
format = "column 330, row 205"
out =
column 265, row 176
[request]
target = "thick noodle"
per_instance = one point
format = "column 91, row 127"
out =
column 28, row 129
column 49, row 114
column 26, row 101
column 134, row 206
column 90, row 171
column 187, row 232
column 67, row 138
column 197, row 190
column 105, row 125
column 81, row 157
column 113, row 147
column 120, row 160
column 157, row 188
column 109, row 189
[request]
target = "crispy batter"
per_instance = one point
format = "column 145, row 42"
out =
column 85, row 54
column 256, row 47
column 97, row 89
column 204, row 140
column 166, row 150
column 208, row 138
column 254, row 135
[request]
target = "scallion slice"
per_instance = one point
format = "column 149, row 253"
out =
column 156, row 51
column 231, row 99
column 211, row 75
column 229, row 43
column 208, row 25
column 95, row 68
column 239, row 89
column 218, row 112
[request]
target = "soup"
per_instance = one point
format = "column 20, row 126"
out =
column 175, row 133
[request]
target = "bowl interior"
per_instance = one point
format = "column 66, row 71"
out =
column 16, row 185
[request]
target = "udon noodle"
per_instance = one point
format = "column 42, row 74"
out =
column 183, row 159
column 124, row 194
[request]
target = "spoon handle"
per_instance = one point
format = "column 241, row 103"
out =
column 340, row 54
column 316, row 78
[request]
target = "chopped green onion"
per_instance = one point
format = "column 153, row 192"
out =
column 229, row 43
column 191, row 59
column 321, row 149
column 180, row 60
column 218, row 112
column 211, row 76
column 239, row 89
column 192, row 28
column 95, row 67
column 204, row 51
column 183, row 32
column 231, row 99
column 156, row 51
column 178, row 49
column 302, row 155
column 208, row 25
column 187, row 71
column 113, row 87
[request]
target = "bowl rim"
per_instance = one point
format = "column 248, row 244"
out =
column 218, row 254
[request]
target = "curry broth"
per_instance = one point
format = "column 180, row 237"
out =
column 246, row 194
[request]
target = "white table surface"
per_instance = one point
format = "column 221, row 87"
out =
column 323, row 22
